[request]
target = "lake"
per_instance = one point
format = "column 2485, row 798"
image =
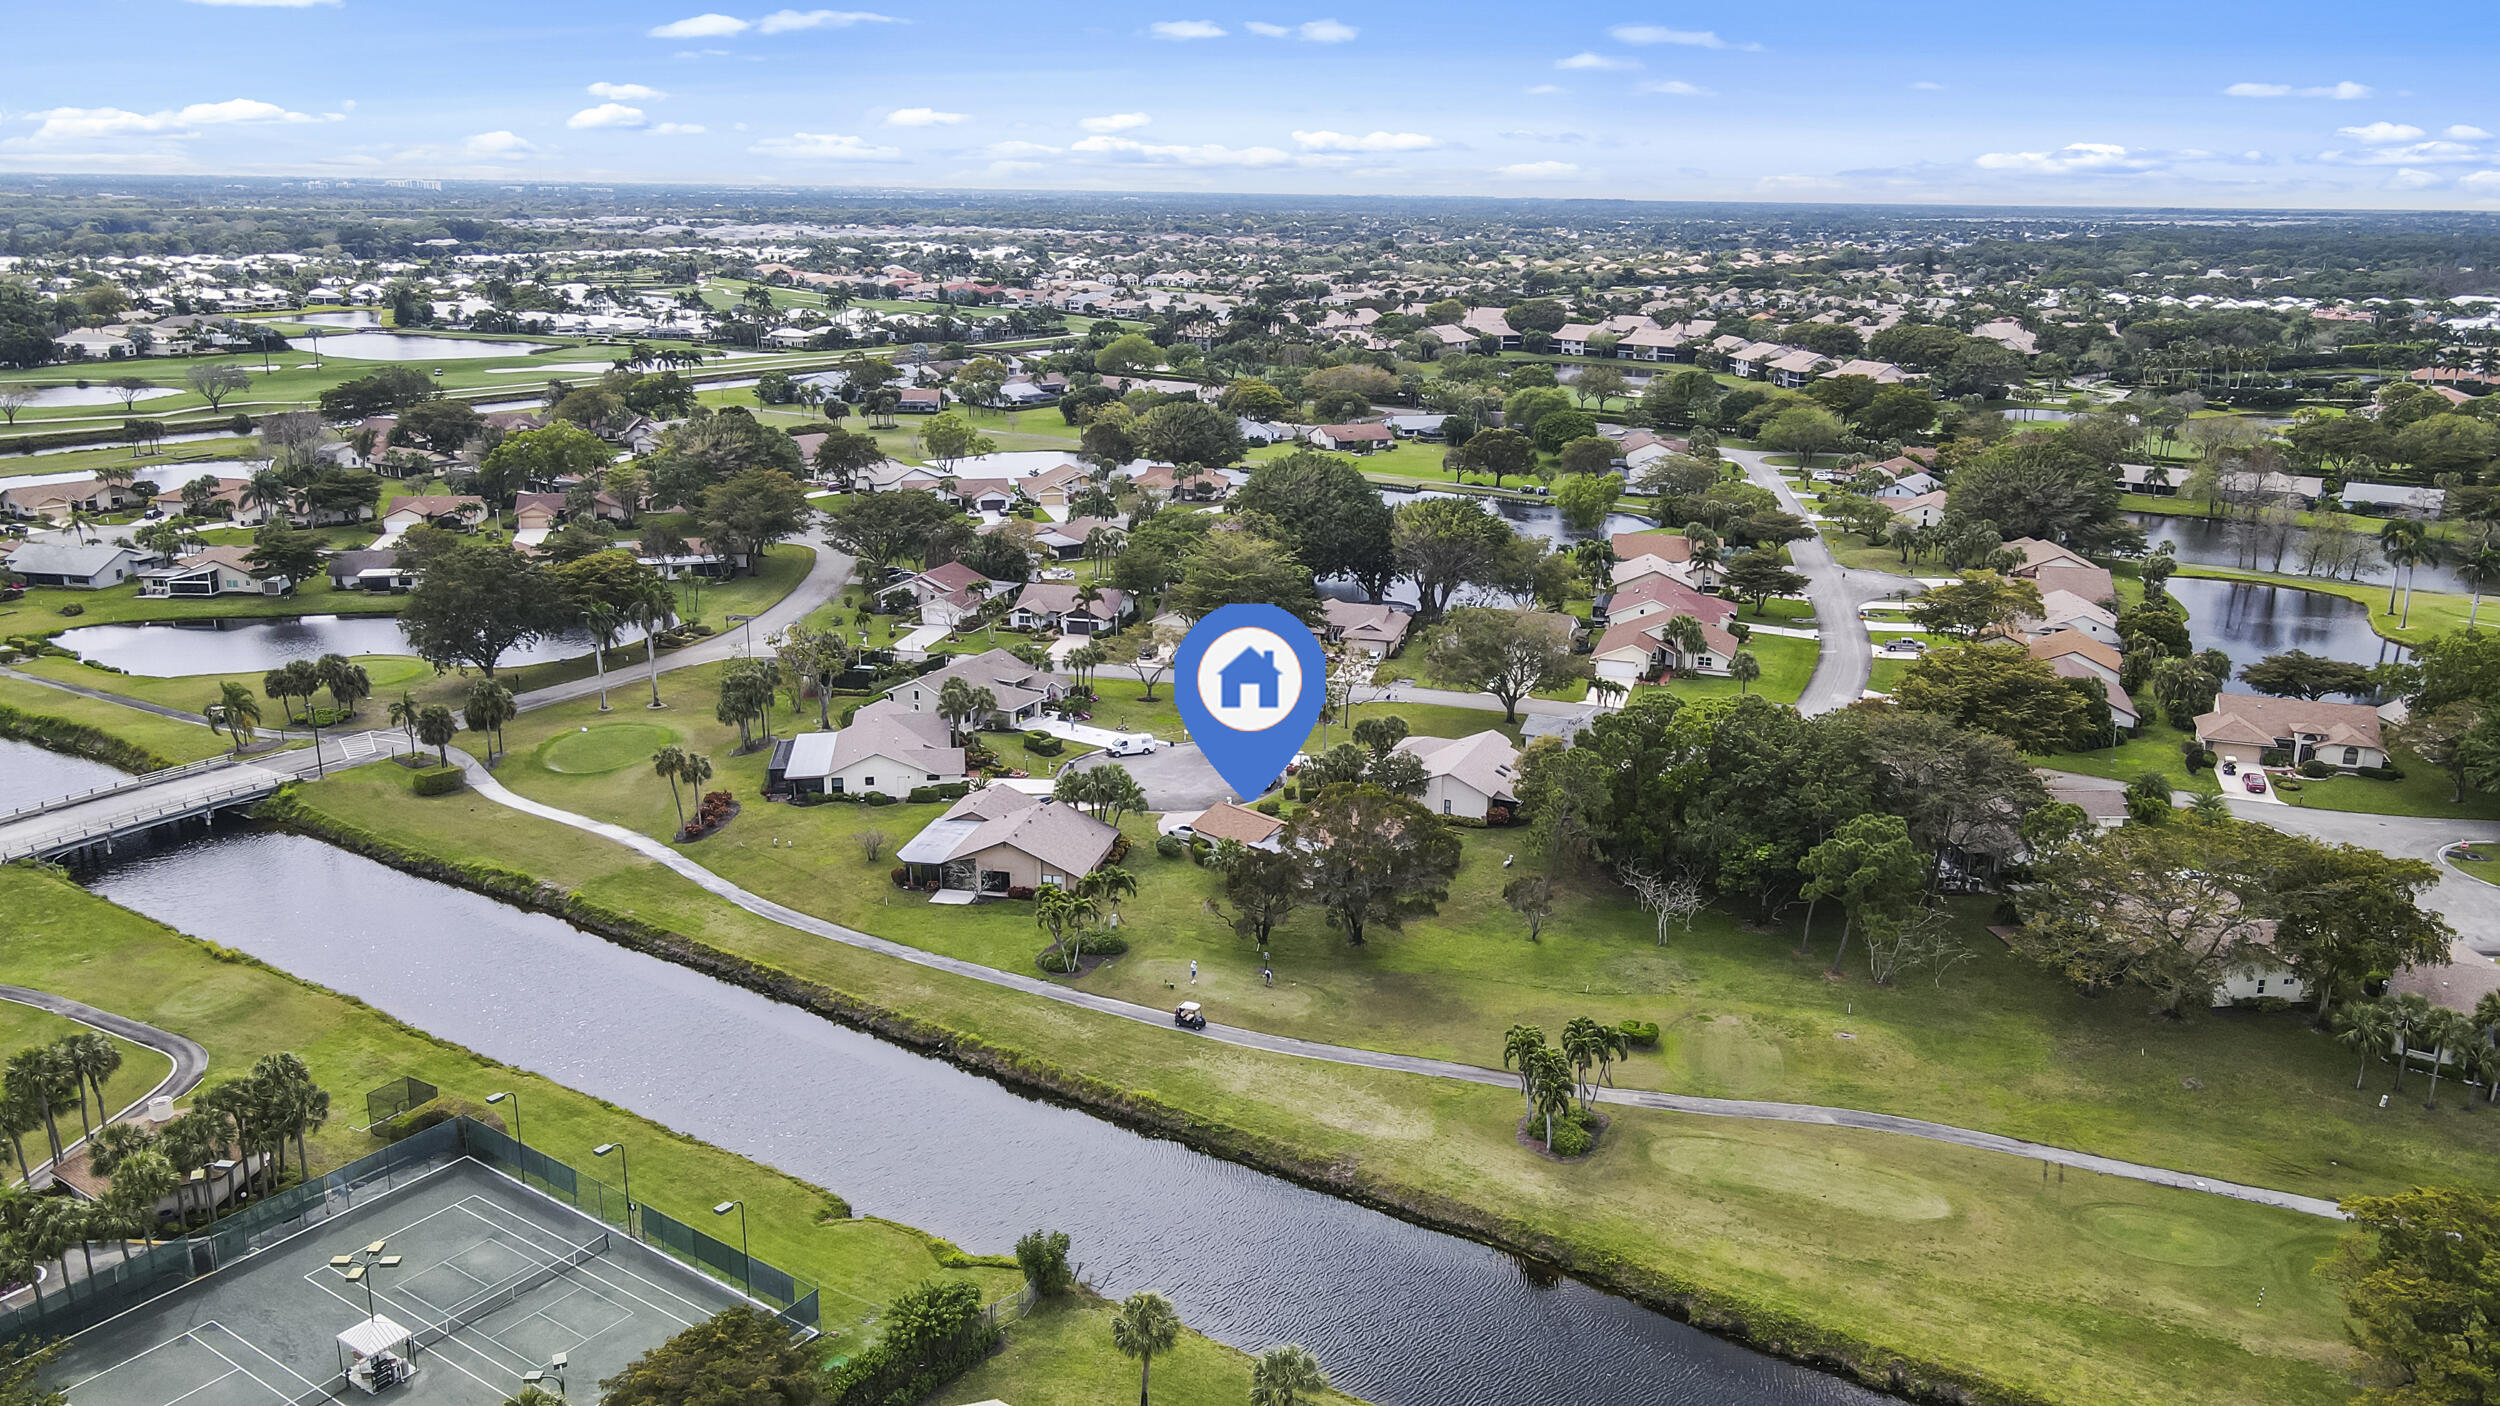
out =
column 2215, row 542
column 2250, row 622
column 414, row 346
column 54, row 396
column 171, row 649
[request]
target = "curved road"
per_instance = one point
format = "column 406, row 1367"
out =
column 1847, row 659
column 189, row 1060
column 664, row 854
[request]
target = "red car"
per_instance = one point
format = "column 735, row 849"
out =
column 2255, row 781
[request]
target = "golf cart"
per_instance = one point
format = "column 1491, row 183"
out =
column 1188, row 1017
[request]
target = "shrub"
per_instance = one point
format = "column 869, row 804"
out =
column 1272, row 805
column 2316, row 770
column 1497, row 815
column 899, row 875
column 73, row 608
column 877, row 798
column 1019, row 892
column 436, row 781
column 2390, row 772
column 1170, row 846
column 2274, row 756
column 1043, row 744
column 850, row 713
column 922, row 795
column 1641, row 1034
column 1572, row 1136
column 1119, row 849
column 1464, row 822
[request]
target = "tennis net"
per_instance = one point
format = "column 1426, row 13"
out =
column 495, row 1296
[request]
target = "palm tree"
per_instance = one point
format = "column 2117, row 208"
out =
column 2447, row 1032
column 489, row 707
column 267, row 490
column 93, row 1058
column 1520, row 1048
column 669, row 763
column 2369, row 1030
column 1107, row 886
column 1286, row 1376
column 2480, row 569
column 1589, row 1043
column 1744, row 668
column 650, row 613
column 1552, row 1090
column 2406, row 544
column 190, row 1141
column 236, row 712
column 1060, row 911
column 37, row 1076
column 1145, row 1325
column 403, row 714
column 603, row 621
column 435, row 728
column 18, row 1117
column 962, row 702
column 345, row 680
column 2405, row 1016
column 143, row 1178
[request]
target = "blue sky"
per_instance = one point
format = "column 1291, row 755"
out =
column 2282, row 104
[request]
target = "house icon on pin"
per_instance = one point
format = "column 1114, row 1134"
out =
column 1250, row 669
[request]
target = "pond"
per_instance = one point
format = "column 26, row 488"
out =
column 363, row 317
column 172, row 649
column 412, row 346
column 2250, row 622
column 29, row 774
column 1400, row 1315
column 2209, row 541
column 54, row 396
column 1542, row 521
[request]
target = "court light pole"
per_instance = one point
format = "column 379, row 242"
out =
column 746, row 1257
column 516, row 1115
column 627, row 1164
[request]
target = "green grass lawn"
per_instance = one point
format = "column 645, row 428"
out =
column 142, row 1069
column 171, row 740
column 2424, row 790
column 2481, row 861
column 2158, row 749
column 38, row 612
column 1787, row 663
column 2083, row 1290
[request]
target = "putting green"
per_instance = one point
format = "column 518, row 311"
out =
column 2152, row 1234
column 604, row 747
column 1842, row 1183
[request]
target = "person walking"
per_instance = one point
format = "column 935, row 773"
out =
column 1193, row 971
column 1269, row 973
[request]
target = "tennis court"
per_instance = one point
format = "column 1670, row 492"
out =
column 490, row 1280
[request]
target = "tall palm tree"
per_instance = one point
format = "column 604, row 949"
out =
column 2405, row 1015
column 236, row 712
column 18, row 1117
column 1744, row 668
column 670, row 763
column 2447, row 1032
column 144, row 1178
column 1286, row 1375
column 1520, row 1049
column 403, row 714
column 2405, row 543
column 345, row 680
column 2480, row 570
column 2368, row 1029
column 1552, row 1089
column 603, row 621
column 1145, row 1325
column 93, row 1058
column 1059, row 912
column 1107, row 886
column 963, row 703
column 38, row 1077
column 651, row 613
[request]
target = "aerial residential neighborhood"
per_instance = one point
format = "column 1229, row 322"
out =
column 852, row 709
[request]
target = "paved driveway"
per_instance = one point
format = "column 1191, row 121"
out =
column 1175, row 778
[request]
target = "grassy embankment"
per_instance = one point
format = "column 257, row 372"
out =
column 1975, row 1265
column 59, row 938
column 142, row 1069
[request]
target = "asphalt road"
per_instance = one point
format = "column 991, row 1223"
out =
column 1847, row 659
column 190, row 1061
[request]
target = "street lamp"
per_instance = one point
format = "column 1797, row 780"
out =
column 746, row 1257
column 516, row 1114
column 626, row 1163
column 746, row 636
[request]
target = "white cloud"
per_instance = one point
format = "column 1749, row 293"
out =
column 86, row 123
column 784, row 21
column 1327, row 31
column 2073, row 158
column 2346, row 91
column 2411, row 179
column 1544, row 90
column 1114, row 122
column 677, row 129
column 1660, row 34
column 624, row 92
column 704, row 26
column 924, row 117
column 1924, row 86
column 2464, row 133
column 1585, row 59
column 2481, row 180
column 2409, row 154
column 823, row 146
column 503, row 144
column 1538, row 171
column 2380, row 133
column 1272, row 31
column 1677, row 87
column 605, row 115
column 1374, row 141
column 1185, row 29
column 1207, row 154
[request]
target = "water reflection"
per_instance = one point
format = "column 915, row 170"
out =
column 2250, row 622
column 172, row 649
column 409, row 346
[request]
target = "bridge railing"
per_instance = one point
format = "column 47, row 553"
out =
column 46, row 842
column 128, row 783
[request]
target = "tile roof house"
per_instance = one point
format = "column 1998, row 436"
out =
column 1632, row 651
column 1056, row 605
column 2122, row 710
column 1374, row 630
column 998, row 838
column 455, row 510
column 1021, row 689
column 1665, row 595
column 2102, row 659
column 1466, row 775
column 945, row 595
column 885, row 748
column 1925, row 510
column 1353, row 439
column 2056, row 568
column 372, row 569
column 2243, row 726
column 2064, row 610
column 1226, row 821
column 58, row 500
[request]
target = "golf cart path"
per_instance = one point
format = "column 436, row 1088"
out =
column 1749, row 1109
column 190, row 1062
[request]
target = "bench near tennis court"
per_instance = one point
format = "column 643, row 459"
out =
column 491, row 1280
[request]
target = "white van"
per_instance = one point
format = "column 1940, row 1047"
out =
column 1132, row 744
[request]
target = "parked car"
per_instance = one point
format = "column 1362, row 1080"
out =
column 2230, row 767
column 1131, row 746
column 2255, row 781
column 1189, row 1017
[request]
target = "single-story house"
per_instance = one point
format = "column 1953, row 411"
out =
column 920, row 400
column 211, row 571
column 1067, row 539
column 80, row 566
column 1376, row 631
column 1466, row 775
column 946, row 595
column 1630, row 651
column 1020, row 689
column 1055, row 605
column 374, row 569
column 1353, row 439
column 999, row 838
column 1424, row 427
column 58, row 500
column 2101, row 659
column 1167, row 482
column 885, row 748
column 2056, row 568
column 1882, row 373
column 1658, row 595
column 984, row 495
column 1925, row 510
column 2122, row 710
column 2400, row 499
column 2064, row 610
column 542, row 511
column 1053, row 490
column 459, row 511
column 2244, row 726
column 1226, row 821
column 698, row 559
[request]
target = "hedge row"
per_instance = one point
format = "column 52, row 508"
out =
column 79, row 739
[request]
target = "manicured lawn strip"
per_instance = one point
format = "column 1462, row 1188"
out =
column 24, row 1028
column 2077, row 1292
column 171, row 467
column 169, row 739
column 57, row 937
column 1061, row 1355
column 38, row 612
column 2157, row 750
column 2486, row 868
column 2425, row 790
column 1787, row 663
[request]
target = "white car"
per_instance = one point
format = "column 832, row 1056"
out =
column 1131, row 745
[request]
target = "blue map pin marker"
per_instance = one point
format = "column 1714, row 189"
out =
column 1250, row 681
